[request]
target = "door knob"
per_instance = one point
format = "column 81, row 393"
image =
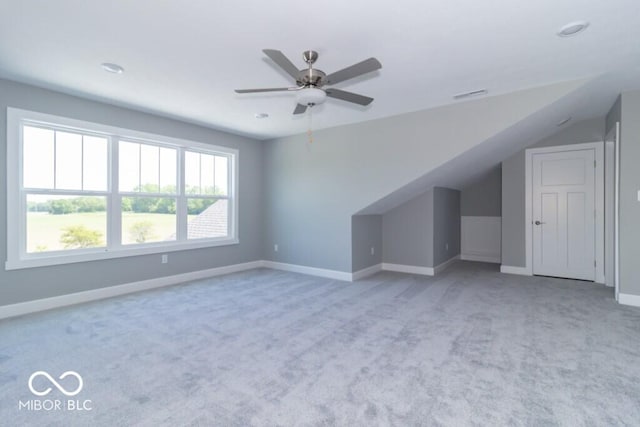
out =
column 538, row 223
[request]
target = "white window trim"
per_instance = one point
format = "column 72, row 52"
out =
column 17, row 258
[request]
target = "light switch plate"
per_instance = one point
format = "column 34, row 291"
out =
column 639, row 195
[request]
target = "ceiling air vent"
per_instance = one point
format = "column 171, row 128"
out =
column 470, row 94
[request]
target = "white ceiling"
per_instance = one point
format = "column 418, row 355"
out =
column 183, row 59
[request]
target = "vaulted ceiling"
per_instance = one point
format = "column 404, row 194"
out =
column 184, row 59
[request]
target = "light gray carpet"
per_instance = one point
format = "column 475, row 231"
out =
column 266, row 348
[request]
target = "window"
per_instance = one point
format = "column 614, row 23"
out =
column 148, row 190
column 81, row 191
column 206, row 187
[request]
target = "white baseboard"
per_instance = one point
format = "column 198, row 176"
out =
column 366, row 272
column 414, row 269
column 112, row 291
column 495, row 258
column 411, row 269
column 629, row 299
column 438, row 268
column 508, row 269
column 312, row 271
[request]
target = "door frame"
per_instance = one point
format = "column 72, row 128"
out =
column 612, row 141
column 598, row 148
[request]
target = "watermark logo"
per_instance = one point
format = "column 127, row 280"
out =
column 55, row 383
column 55, row 404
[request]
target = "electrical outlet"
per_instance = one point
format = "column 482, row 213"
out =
column 165, row 258
column 373, row 250
column 446, row 247
column 275, row 247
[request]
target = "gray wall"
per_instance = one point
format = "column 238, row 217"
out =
column 629, row 187
column 312, row 190
column 513, row 212
column 446, row 224
column 367, row 234
column 513, row 187
column 34, row 283
column 418, row 232
column 407, row 232
column 483, row 197
column 614, row 115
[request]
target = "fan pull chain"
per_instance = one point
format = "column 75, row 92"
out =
column 309, row 131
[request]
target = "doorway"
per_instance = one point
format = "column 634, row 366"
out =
column 565, row 228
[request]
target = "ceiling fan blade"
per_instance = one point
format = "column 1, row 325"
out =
column 283, row 62
column 300, row 109
column 348, row 96
column 355, row 70
column 273, row 89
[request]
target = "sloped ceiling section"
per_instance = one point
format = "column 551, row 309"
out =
column 409, row 153
column 462, row 169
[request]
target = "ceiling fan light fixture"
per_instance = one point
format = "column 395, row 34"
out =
column 310, row 96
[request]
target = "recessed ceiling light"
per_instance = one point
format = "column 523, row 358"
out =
column 562, row 122
column 261, row 115
column 112, row 68
column 469, row 94
column 572, row 28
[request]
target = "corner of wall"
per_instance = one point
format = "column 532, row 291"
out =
column 366, row 241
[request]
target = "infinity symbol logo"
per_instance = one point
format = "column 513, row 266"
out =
column 55, row 383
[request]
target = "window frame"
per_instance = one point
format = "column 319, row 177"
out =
column 17, row 256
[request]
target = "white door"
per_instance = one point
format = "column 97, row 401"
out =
column 564, row 214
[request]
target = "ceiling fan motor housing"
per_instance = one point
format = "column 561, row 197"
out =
column 311, row 77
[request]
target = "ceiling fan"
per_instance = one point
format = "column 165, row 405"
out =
column 310, row 82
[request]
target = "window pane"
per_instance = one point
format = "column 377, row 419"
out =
column 149, row 168
column 65, row 222
column 38, row 157
column 148, row 219
column 192, row 172
column 222, row 175
column 95, row 162
column 68, row 161
column 168, row 173
column 207, row 218
column 206, row 173
column 129, row 166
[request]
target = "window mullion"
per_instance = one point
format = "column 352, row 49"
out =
column 82, row 162
column 55, row 159
column 114, row 218
column 23, row 222
column 200, row 173
column 140, row 167
column 181, row 202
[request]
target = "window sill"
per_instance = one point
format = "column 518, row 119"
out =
column 104, row 254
